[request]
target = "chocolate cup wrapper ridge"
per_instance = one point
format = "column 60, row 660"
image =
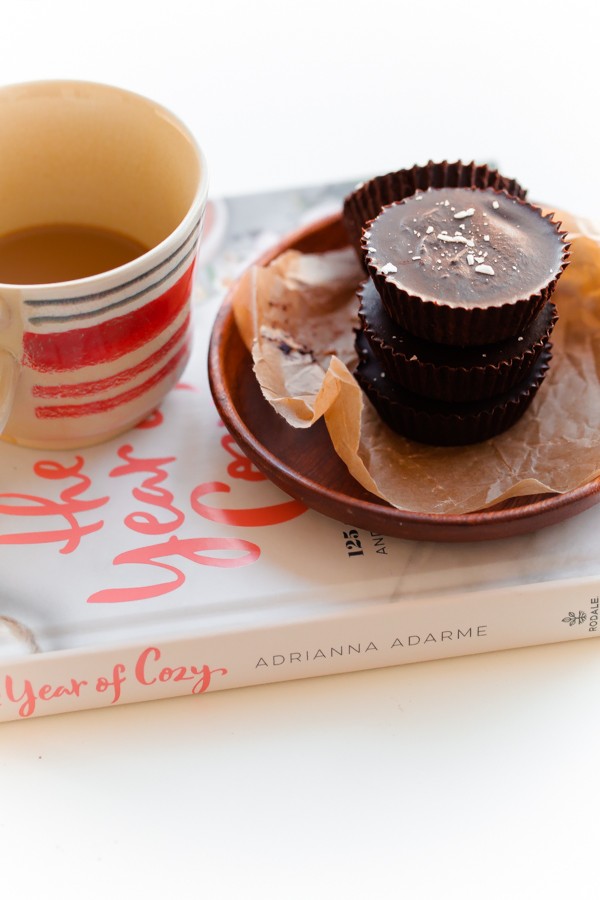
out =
column 451, row 374
column 367, row 199
column 440, row 423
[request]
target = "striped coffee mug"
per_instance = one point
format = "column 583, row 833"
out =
column 83, row 360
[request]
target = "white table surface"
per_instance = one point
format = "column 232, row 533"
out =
column 467, row 778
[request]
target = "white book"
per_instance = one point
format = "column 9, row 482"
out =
column 162, row 563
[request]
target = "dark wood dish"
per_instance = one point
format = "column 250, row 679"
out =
column 303, row 463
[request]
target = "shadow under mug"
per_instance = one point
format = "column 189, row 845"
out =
column 84, row 360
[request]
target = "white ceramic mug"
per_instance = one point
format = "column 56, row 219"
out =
column 83, row 360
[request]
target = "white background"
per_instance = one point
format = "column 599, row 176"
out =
column 283, row 94
column 470, row 778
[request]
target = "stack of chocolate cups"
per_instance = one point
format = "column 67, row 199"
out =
column 456, row 315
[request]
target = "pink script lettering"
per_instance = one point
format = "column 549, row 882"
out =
column 150, row 492
column 69, row 507
column 192, row 549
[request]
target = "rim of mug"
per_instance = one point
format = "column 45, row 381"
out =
column 198, row 202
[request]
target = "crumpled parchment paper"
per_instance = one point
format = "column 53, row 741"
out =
column 297, row 317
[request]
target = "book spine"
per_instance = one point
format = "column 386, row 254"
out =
column 381, row 633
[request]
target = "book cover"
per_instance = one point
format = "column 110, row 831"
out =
column 164, row 563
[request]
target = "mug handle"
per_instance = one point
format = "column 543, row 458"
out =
column 9, row 376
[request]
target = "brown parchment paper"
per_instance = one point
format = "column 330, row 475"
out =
column 297, row 317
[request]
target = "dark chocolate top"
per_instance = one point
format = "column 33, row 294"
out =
column 386, row 332
column 465, row 247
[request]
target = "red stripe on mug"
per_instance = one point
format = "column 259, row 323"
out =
column 86, row 388
column 98, row 344
column 75, row 411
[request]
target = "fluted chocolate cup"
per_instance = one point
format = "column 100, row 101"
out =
column 439, row 423
column 365, row 202
column 464, row 266
column 452, row 374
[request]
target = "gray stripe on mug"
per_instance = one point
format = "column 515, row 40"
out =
column 94, row 313
column 83, row 298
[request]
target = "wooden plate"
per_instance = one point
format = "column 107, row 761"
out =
column 303, row 463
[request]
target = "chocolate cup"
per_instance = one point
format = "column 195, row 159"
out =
column 445, row 424
column 453, row 374
column 367, row 199
column 462, row 325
